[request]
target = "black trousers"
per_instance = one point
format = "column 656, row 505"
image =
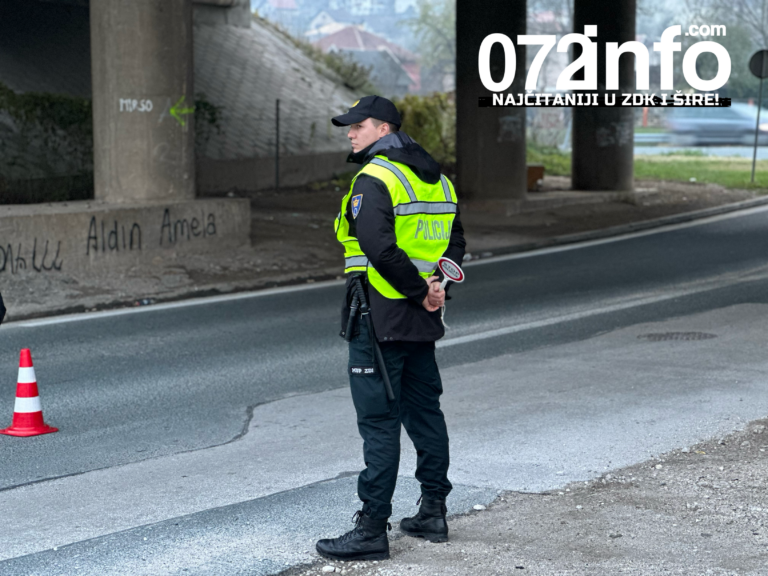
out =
column 417, row 386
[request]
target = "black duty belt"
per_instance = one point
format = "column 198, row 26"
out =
column 360, row 302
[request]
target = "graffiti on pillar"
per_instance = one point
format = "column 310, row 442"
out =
column 186, row 228
column 41, row 258
column 110, row 236
column 615, row 134
column 178, row 111
column 135, row 105
column 511, row 128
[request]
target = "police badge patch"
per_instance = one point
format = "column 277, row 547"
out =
column 357, row 201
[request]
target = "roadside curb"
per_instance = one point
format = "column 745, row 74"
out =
column 623, row 228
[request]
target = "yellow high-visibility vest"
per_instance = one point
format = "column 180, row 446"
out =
column 424, row 215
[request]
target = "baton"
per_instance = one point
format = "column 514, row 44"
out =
column 352, row 315
column 375, row 343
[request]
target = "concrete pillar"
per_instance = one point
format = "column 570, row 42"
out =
column 490, row 142
column 143, row 128
column 603, row 138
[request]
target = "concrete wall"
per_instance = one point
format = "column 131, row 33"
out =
column 96, row 238
column 259, row 173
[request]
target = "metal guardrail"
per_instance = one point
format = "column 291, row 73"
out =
column 652, row 138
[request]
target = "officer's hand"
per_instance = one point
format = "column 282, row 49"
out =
column 435, row 297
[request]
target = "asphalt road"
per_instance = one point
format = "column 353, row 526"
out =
column 247, row 396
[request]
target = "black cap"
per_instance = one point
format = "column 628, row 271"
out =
column 369, row 107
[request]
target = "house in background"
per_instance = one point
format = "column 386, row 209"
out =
column 315, row 34
column 385, row 22
column 393, row 27
column 329, row 16
column 357, row 28
column 330, row 21
column 394, row 70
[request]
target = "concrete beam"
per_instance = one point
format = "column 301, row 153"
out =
column 490, row 142
column 603, row 138
column 142, row 76
column 225, row 12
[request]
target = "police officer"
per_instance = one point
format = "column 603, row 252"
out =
column 398, row 218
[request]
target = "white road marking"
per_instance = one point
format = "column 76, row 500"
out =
column 170, row 305
column 623, row 305
column 272, row 291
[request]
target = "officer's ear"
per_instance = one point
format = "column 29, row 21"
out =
column 382, row 128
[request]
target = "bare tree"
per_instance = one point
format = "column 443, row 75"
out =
column 750, row 15
column 435, row 27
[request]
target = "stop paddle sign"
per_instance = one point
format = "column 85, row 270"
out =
column 450, row 270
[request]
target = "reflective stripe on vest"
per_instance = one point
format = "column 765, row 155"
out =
column 400, row 176
column 424, row 266
column 355, row 261
column 421, row 265
column 446, row 189
column 425, row 208
column 424, row 215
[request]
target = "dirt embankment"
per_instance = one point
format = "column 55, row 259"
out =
column 697, row 511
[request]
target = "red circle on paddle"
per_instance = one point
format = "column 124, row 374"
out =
column 450, row 269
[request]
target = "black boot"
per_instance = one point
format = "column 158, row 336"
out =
column 429, row 523
column 368, row 541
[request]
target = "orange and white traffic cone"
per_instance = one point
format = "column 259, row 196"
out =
column 28, row 412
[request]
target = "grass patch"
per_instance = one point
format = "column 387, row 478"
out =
column 728, row 172
column 680, row 166
column 684, row 152
column 555, row 163
column 649, row 130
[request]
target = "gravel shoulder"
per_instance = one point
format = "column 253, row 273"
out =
column 699, row 510
column 292, row 242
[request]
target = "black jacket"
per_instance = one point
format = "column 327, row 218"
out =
column 396, row 319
